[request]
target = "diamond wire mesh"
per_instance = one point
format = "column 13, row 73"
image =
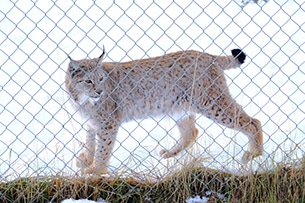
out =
column 41, row 134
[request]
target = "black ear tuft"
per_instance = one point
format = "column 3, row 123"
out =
column 239, row 54
column 103, row 54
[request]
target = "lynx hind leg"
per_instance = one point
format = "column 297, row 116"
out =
column 188, row 134
column 228, row 113
column 85, row 159
column 106, row 137
column 252, row 128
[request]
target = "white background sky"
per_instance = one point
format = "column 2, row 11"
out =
column 40, row 133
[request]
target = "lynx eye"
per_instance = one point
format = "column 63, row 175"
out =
column 88, row 81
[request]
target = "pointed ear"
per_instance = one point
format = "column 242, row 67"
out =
column 74, row 67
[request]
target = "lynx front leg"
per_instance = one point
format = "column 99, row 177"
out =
column 188, row 134
column 85, row 158
column 106, row 137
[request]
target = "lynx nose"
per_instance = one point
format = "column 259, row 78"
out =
column 98, row 92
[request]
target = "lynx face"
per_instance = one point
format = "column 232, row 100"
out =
column 84, row 81
column 187, row 82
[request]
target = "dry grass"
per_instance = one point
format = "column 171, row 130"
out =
column 283, row 184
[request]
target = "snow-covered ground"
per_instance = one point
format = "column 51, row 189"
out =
column 41, row 134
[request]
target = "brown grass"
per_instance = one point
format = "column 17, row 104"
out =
column 283, row 184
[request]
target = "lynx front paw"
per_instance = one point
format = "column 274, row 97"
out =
column 96, row 170
column 84, row 161
column 248, row 156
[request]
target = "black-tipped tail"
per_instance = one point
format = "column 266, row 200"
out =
column 239, row 54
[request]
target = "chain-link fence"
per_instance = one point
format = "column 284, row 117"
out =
column 41, row 134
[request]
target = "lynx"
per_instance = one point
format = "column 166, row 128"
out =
column 183, row 83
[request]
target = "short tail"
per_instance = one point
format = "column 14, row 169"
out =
column 237, row 58
column 239, row 55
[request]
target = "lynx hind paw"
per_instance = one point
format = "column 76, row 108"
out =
column 83, row 161
column 166, row 154
column 239, row 54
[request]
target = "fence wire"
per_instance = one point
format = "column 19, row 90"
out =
column 41, row 134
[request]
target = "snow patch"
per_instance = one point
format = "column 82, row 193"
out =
column 197, row 199
column 83, row 201
column 204, row 199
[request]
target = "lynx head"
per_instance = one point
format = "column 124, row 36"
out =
column 84, row 79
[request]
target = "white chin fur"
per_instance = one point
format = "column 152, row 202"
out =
column 92, row 100
column 83, row 98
